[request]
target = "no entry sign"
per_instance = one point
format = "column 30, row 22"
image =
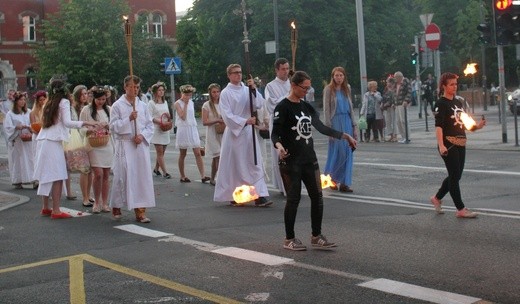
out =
column 432, row 36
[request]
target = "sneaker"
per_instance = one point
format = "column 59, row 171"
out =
column 321, row 242
column 143, row 219
column 57, row 216
column 262, row 202
column 437, row 203
column 466, row 213
column 46, row 212
column 294, row 244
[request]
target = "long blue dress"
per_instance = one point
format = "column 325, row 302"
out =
column 340, row 156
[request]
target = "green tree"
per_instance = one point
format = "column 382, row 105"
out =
column 85, row 40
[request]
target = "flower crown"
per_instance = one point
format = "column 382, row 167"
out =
column 157, row 85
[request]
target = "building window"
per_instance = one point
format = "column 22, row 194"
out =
column 143, row 18
column 157, row 23
column 29, row 28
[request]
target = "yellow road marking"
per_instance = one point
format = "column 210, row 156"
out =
column 77, row 284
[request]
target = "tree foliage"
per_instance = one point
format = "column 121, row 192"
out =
column 86, row 42
column 210, row 38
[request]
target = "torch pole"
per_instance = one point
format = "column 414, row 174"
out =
column 243, row 12
column 128, row 36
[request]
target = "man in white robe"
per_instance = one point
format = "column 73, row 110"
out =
column 237, row 165
column 132, row 185
column 276, row 91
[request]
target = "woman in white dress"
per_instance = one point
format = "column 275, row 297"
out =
column 50, row 166
column 100, row 157
column 157, row 106
column 187, row 133
column 214, row 128
column 20, row 153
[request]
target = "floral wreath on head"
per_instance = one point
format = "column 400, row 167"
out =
column 157, row 85
column 62, row 88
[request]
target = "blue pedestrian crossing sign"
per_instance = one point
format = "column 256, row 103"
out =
column 172, row 65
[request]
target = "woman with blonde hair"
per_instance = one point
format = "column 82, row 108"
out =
column 158, row 108
column 339, row 114
column 214, row 128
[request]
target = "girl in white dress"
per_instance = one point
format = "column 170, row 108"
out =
column 100, row 157
column 20, row 153
column 50, row 167
column 187, row 133
column 212, row 120
column 158, row 107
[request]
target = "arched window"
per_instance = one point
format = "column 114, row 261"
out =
column 157, row 22
column 143, row 19
column 29, row 28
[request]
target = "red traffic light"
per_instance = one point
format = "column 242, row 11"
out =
column 503, row 4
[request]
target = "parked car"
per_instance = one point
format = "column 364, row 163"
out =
column 199, row 100
column 512, row 99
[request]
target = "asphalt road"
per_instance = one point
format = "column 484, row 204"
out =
column 392, row 248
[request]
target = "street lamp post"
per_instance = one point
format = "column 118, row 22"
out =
column 294, row 43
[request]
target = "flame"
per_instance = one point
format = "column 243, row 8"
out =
column 326, row 181
column 468, row 122
column 293, row 25
column 125, row 17
column 470, row 69
column 244, row 194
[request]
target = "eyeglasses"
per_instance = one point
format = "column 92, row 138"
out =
column 305, row 88
column 236, row 72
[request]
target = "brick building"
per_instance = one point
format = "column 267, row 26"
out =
column 21, row 19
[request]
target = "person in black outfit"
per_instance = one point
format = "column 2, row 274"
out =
column 451, row 140
column 292, row 137
column 429, row 86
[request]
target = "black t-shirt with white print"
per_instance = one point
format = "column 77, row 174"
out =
column 292, row 127
column 448, row 117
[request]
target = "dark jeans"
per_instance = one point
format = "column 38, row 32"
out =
column 293, row 176
column 372, row 125
column 454, row 162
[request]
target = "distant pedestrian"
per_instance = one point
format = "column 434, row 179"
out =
column 50, row 167
column 371, row 110
column 430, row 88
column 338, row 114
column 158, row 108
column 215, row 127
column 6, row 105
column 187, row 133
column 451, row 141
column 389, row 109
column 292, row 137
column 403, row 93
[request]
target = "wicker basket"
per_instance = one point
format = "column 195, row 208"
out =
column 220, row 127
column 26, row 136
column 36, row 126
column 166, row 123
column 98, row 141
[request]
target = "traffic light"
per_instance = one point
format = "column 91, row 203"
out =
column 507, row 22
column 486, row 33
column 414, row 58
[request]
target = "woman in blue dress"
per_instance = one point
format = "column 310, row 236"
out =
column 338, row 114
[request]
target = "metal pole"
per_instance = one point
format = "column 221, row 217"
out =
column 172, row 85
column 418, row 75
column 516, row 121
column 361, row 44
column 276, row 34
column 502, row 86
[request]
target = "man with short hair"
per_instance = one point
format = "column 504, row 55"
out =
column 402, row 100
column 276, row 91
column 237, row 164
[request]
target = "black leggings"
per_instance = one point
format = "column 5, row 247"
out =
column 293, row 176
column 454, row 162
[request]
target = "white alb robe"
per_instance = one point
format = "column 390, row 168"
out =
column 132, row 185
column 275, row 91
column 237, row 165
column 20, row 153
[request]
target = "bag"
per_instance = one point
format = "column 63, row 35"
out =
column 362, row 123
column 166, row 122
column 264, row 133
column 76, row 154
column 220, row 127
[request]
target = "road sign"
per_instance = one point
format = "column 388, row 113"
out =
column 432, row 36
column 172, row 66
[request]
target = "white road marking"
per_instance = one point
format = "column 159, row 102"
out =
column 142, row 231
column 418, row 292
column 272, row 272
column 253, row 256
column 257, row 297
column 74, row 212
column 415, row 167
